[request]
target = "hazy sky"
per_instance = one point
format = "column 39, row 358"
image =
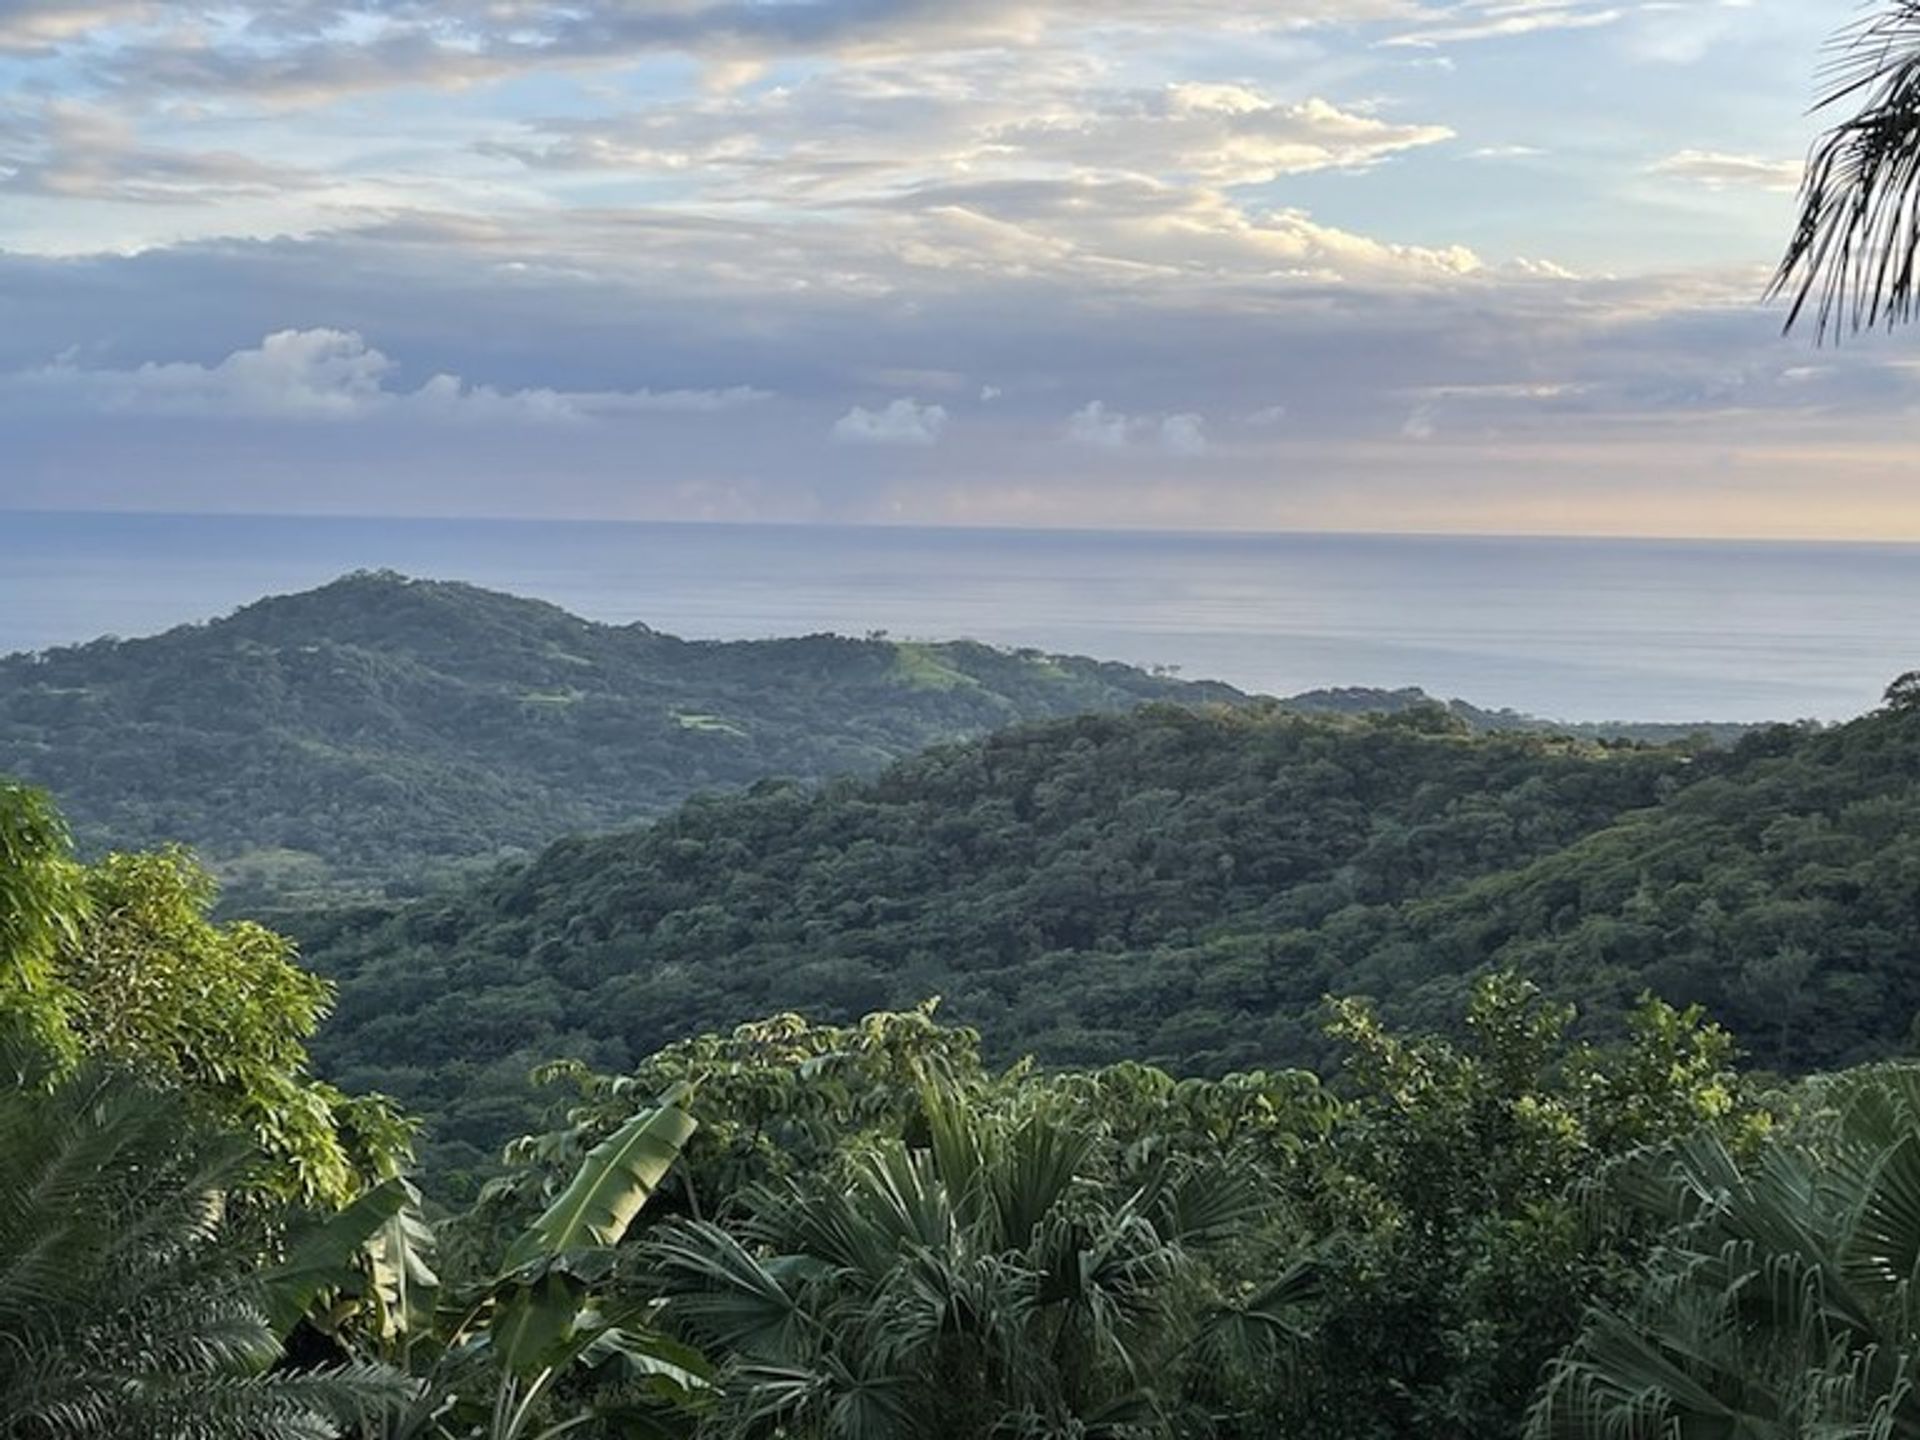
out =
column 1353, row 264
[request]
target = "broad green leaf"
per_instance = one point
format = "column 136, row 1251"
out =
column 533, row 1325
column 324, row 1257
column 399, row 1254
column 644, row 1355
column 614, row 1182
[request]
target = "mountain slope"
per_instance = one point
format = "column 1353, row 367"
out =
column 1087, row 889
column 1781, row 890
column 381, row 727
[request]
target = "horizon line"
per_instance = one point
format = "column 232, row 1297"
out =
column 1211, row 533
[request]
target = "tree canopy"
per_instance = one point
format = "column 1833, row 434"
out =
column 1175, row 886
column 121, row 961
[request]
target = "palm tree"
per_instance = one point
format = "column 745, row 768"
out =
column 1788, row 1302
column 1001, row 1279
column 130, row 1303
column 1852, row 258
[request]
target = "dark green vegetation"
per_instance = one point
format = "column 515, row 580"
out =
column 380, row 734
column 134, row 1301
column 381, row 729
column 1178, row 887
column 869, row 1233
column 1167, row 885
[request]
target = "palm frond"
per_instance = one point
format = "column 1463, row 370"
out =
column 129, row 1299
column 1852, row 258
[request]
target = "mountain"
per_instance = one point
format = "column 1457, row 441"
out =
column 383, row 729
column 1176, row 885
column 382, row 734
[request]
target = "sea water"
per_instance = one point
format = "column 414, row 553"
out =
column 1575, row 629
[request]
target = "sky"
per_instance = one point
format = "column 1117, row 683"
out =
column 1402, row 265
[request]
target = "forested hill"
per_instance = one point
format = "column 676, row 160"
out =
column 1181, row 887
column 380, row 733
column 1177, row 886
column 381, row 727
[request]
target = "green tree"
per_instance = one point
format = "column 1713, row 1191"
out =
column 1460, row 1254
column 41, row 906
column 122, row 960
column 132, row 1301
column 222, row 1012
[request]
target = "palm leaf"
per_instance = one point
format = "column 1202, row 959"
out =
column 533, row 1326
column 324, row 1258
column 1852, row 258
column 615, row 1181
column 399, row 1258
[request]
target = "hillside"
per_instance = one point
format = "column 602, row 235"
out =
column 383, row 729
column 380, row 735
column 1085, row 889
column 1182, row 887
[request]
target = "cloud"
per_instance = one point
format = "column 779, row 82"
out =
column 1186, row 208
column 1098, row 427
column 903, row 422
column 984, row 165
column 876, row 132
column 1094, row 425
column 1554, row 397
column 29, row 27
column 1211, row 133
column 330, row 375
column 294, row 52
column 1718, row 170
column 78, row 152
column 1508, row 19
column 1184, row 435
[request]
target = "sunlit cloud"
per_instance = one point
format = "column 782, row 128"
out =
column 1721, row 171
column 1181, row 262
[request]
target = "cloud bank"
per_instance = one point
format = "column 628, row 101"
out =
column 326, row 375
column 1386, row 264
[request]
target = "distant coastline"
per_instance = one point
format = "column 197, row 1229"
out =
column 1569, row 627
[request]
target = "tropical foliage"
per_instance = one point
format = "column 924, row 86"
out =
column 1008, row 1276
column 133, row 1300
column 819, row 1231
column 1178, row 887
column 1783, row 1301
column 1852, row 259
column 878, row 1233
column 120, row 960
column 41, row 905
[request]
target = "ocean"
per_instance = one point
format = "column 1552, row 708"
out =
column 1575, row 629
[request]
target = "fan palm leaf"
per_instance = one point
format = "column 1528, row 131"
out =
column 1000, row 1279
column 1784, row 1305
